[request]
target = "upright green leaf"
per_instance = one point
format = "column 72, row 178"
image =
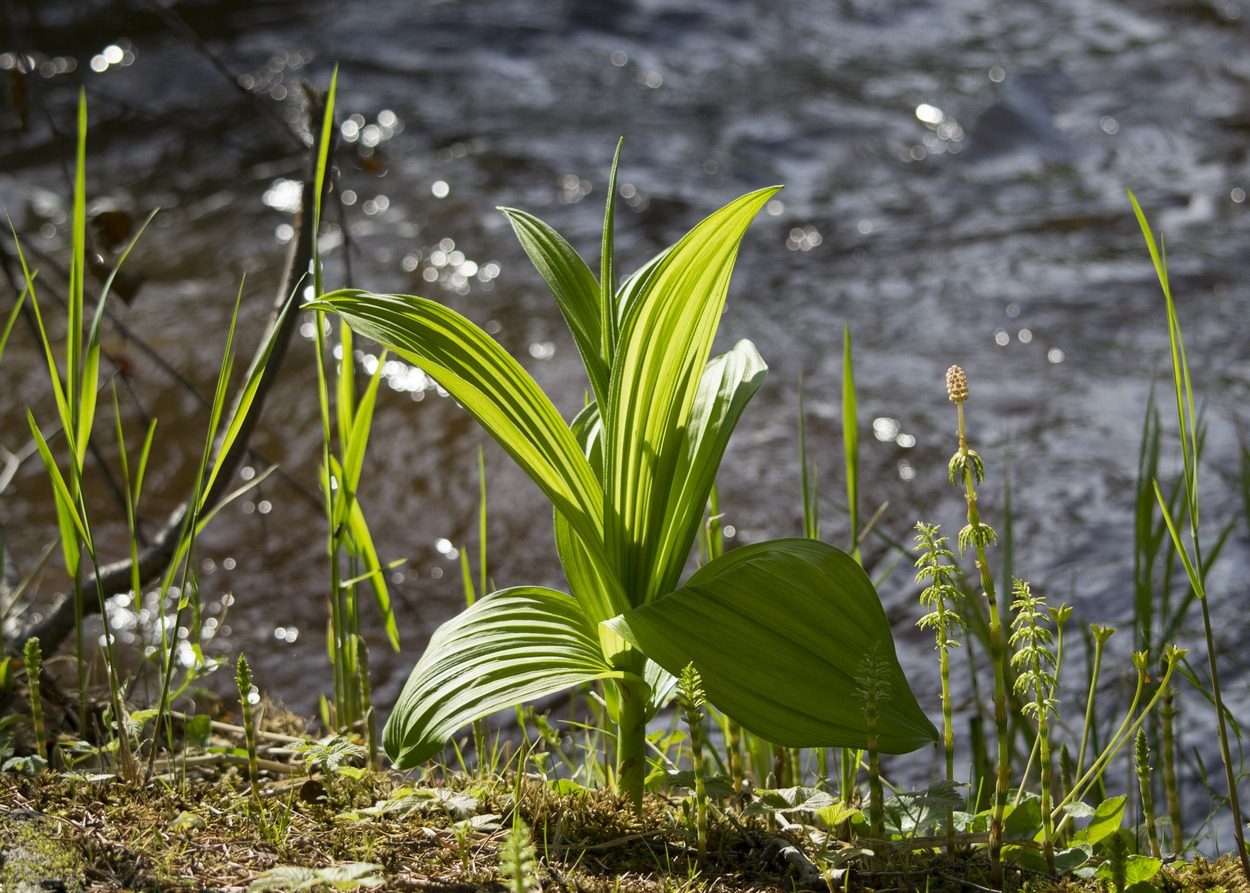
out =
column 850, row 439
column 779, row 632
column 574, row 287
column 666, row 337
column 607, row 272
column 598, row 592
column 511, row 646
column 727, row 385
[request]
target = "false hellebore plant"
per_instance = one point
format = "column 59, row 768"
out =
column 629, row 479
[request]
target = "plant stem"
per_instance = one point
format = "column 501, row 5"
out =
column 967, row 465
column 1167, row 729
column 34, row 666
column 631, row 757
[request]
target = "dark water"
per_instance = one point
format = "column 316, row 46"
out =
column 955, row 179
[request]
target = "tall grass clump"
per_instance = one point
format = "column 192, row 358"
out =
column 353, row 558
column 76, row 400
column 1190, row 553
column 76, row 397
column 629, row 478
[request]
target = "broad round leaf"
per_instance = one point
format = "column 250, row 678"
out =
column 782, row 633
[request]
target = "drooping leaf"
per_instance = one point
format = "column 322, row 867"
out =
column 665, row 340
column 779, row 631
column 514, row 645
column 491, row 386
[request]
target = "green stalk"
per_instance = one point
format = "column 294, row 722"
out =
column 966, row 467
column 33, row 656
column 1167, row 718
column 850, row 441
column 1141, row 764
column 366, row 705
column 1128, row 726
column 243, row 678
column 693, row 701
column 1101, row 634
column 1194, row 567
column 940, row 597
column 631, row 742
column 1037, row 665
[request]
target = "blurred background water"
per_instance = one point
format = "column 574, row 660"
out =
column 954, row 175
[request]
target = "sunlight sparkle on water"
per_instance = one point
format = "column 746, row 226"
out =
column 945, row 133
column 284, row 195
column 804, row 238
column 119, row 54
column 885, row 429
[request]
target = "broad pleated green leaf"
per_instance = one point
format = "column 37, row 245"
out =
column 511, row 646
column 599, row 593
column 779, row 631
column 727, row 385
column 665, row 340
column 574, row 287
column 491, row 386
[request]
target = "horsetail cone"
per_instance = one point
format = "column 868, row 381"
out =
column 956, row 384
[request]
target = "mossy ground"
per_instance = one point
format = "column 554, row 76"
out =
column 201, row 831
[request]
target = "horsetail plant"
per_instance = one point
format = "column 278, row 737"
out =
column 1127, row 729
column 936, row 564
column 33, row 655
column 517, row 859
column 243, row 678
column 1036, row 666
column 966, row 469
column 1141, row 766
column 693, row 700
column 629, row 479
column 872, row 684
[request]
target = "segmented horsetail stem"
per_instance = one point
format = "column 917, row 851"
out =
column 243, row 676
column 34, row 669
column 366, row 703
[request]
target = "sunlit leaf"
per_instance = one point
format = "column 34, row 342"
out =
column 727, row 385
column 779, row 632
column 512, row 646
column 1107, row 819
column 574, row 287
column 665, row 340
column 491, row 386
